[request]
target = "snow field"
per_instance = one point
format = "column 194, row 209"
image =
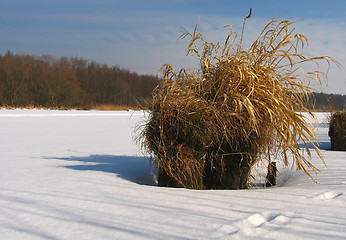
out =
column 79, row 175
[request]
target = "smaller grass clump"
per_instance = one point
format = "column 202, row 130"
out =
column 337, row 131
column 208, row 127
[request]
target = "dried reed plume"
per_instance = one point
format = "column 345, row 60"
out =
column 208, row 127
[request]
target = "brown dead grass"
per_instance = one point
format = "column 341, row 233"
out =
column 101, row 107
column 108, row 107
column 241, row 103
column 337, row 131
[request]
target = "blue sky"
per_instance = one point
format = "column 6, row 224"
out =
column 141, row 34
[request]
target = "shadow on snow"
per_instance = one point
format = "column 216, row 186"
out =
column 131, row 168
column 135, row 169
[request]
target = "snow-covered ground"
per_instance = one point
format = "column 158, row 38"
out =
column 79, row 175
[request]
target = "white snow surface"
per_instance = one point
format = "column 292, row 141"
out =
column 80, row 175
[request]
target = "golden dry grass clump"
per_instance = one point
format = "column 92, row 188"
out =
column 208, row 127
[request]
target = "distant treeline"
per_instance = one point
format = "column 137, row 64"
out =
column 50, row 82
column 327, row 102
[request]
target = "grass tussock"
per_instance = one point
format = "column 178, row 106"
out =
column 209, row 126
column 337, row 131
